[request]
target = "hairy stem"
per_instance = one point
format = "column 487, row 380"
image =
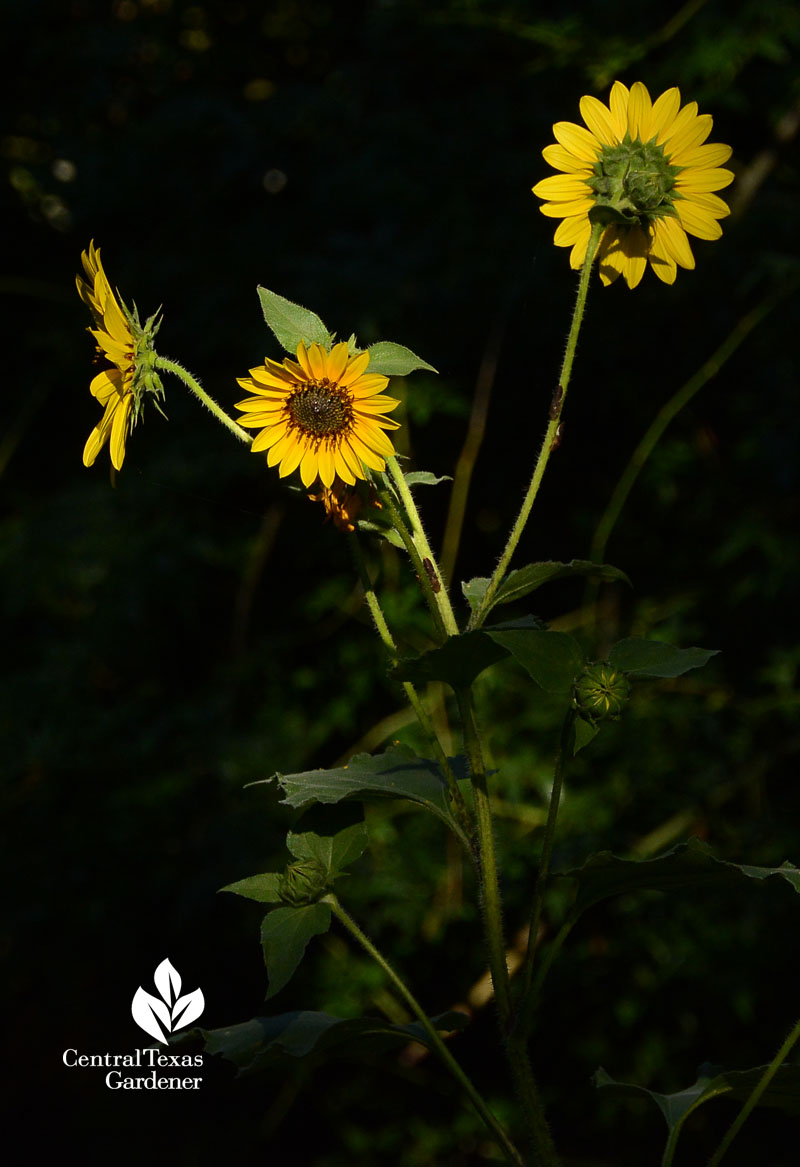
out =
column 192, row 383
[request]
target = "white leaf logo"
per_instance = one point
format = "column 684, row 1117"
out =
column 170, row 1011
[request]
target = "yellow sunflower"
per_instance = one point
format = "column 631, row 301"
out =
column 642, row 170
column 323, row 412
column 113, row 387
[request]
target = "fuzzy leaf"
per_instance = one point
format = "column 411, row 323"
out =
column 425, row 478
column 527, row 579
column 263, row 888
column 394, row 360
column 292, row 323
column 461, row 658
column 689, row 864
column 397, row 773
column 652, row 658
column 552, row 659
column 285, row 932
column 334, row 852
column 585, row 731
column 254, row 1045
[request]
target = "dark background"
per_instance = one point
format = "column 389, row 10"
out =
column 196, row 627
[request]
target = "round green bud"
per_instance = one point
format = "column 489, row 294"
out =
column 601, row 692
column 303, row 882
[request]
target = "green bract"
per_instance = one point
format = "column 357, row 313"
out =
column 633, row 182
column 601, row 692
column 303, row 882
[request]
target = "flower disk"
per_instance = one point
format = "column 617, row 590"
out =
column 113, row 387
column 322, row 412
column 642, row 170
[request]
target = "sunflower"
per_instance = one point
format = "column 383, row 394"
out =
column 322, row 412
column 127, row 347
column 113, row 386
column 642, row 170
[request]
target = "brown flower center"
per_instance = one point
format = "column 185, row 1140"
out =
column 321, row 409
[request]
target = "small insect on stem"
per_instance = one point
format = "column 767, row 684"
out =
column 436, row 583
column 555, row 402
column 556, row 442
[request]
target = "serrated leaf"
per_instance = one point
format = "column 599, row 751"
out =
column 460, row 659
column 397, row 773
column 525, row 580
column 782, row 1093
column 394, row 360
column 292, row 323
column 263, row 888
column 652, row 658
column 690, row 864
column 285, row 932
column 334, row 852
column 263, row 1041
column 552, row 659
column 425, row 478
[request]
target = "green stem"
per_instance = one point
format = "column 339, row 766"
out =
column 416, row 559
column 511, row 1153
column 525, row 1008
column 551, row 436
column 752, row 1101
column 439, row 593
column 456, row 797
column 192, row 383
column 490, row 884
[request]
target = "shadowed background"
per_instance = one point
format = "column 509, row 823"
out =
column 195, row 626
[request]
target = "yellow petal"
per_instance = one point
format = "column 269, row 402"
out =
column 565, row 210
column 281, row 447
column 558, row 186
column 689, row 136
column 354, row 369
column 337, row 363
column 618, row 102
column 599, row 120
column 308, row 466
column 698, row 222
column 700, row 181
column 342, row 469
column 291, row 460
column 318, row 359
column 675, row 242
column 268, row 437
column 576, row 139
column 711, row 154
column 326, row 465
column 561, row 159
column 304, row 362
column 570, row 230
column 639, row 110
column 709, row 202
column 373, row 460
column 663, row 114
column 106, row 384
column 678, row 124
column 367, row 385
column 351, row 460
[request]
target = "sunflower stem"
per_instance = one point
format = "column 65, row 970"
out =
column 527, row 996
column 457, row 799
column 417, row 560
column 502, row 1139
column 192, row 383
column 758, row 1090
column 431, row 570
column 551, row 437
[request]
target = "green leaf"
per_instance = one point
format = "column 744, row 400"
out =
column 334, row 852
column 264, row 1041
column 425, row 478
column 388, row 533
column 394, row 360
column 460, row 659
column 653, row 658
column 585, row 731
column 689, row 864
column 525, row 580
column 292, row 323
column 782, row 1093
column 552, row 659
column 263, row 888
column 397, row 773
column 285, row 932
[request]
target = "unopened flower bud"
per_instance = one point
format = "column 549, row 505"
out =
column 601, row 692
column 303, row 882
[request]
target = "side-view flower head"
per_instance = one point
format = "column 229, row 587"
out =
column 643, row 169
column 127, row 347
column 323, row 413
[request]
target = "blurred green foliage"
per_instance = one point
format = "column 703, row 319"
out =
column 195, row 628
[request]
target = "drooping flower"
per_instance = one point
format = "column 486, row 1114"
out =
column 323, row 413
column 643, row 170
column 343, row 504
column 126, row 346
